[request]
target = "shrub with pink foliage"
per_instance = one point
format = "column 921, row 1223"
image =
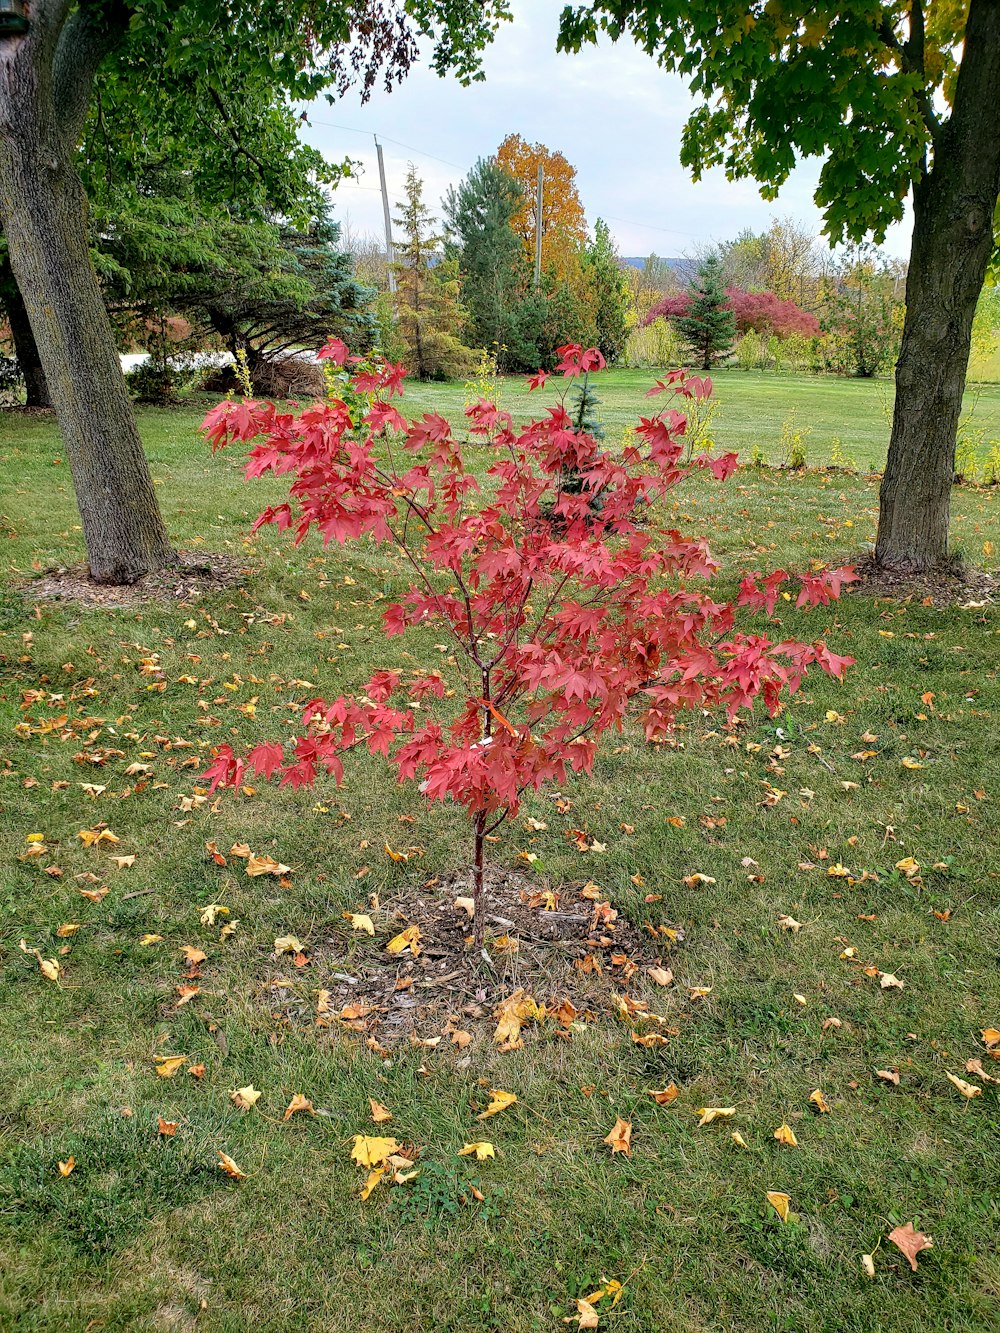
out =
column 564, row 608
column 761, row 311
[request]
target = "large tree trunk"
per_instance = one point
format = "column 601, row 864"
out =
column 25, row 347
column 43, row 207
column 952, row 240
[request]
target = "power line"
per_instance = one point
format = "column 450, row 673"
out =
column 352, row 129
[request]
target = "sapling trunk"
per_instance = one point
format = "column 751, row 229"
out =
column 478, row 890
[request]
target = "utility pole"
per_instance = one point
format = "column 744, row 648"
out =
column 538, row 225
column 390, row 254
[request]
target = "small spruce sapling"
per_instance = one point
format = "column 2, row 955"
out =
column 565, row 615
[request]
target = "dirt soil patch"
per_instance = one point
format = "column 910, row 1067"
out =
column 194, row 575
column 968, row 588
column 560, row 955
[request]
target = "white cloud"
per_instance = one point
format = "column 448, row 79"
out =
column 610, row 110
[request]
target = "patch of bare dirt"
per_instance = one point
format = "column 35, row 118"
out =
column 567, row 951
column 194, row 575
column 967, row 588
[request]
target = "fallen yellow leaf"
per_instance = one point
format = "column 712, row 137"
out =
column 227, row 1164
column 406, row 939
column 379, row 1113
column 66, row 1167
column 499, row 1101
column 779, row 1202
column 620, row 1137
column 245, row 1098
column 819, row 1101
column 968, row 1090
column 785, row 1135
column 298, row 1103
column 369, row 1151
column 666, row 1095
column 710, row 1113
column 373, row 1179
column 482, row 1150
column 360, row 922
column 288, row 944
column 168, row 1065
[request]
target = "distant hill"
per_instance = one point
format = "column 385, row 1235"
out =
column 639, row 261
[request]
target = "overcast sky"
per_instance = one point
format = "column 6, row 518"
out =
column 610, row 110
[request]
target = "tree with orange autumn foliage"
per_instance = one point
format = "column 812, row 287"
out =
column 564, row 225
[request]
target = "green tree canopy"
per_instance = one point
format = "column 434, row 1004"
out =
column 894, row 95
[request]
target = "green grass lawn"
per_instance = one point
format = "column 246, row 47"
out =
column 147, row 1233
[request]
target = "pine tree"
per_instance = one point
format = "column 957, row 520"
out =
column 608, row 293
column 495, row 274
column 709, row 327
column 427, row 302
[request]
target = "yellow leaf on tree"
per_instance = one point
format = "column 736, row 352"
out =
column 710, row 1113
column 168, row 1065
column 379, row 1113
column 620, row 1137
column 245, row 1098
column 779, row 1202
column 369, row 1151
column 482, row 1151
column 785, row 1135
column 499, row 1101
column 360, row 922
column 406, row 939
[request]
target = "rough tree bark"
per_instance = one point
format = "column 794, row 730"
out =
column 25, row 347
column 953, row 207
column 45, row 85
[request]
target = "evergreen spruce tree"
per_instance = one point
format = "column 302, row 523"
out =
column 709, row 327
column 427, row 305
column 497, row 293
column 608, row 291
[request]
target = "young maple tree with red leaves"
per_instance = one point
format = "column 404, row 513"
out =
column 566, row 607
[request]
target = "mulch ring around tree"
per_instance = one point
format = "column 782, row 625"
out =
column 969, row 588
column 551, row 959
column 194, row 575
